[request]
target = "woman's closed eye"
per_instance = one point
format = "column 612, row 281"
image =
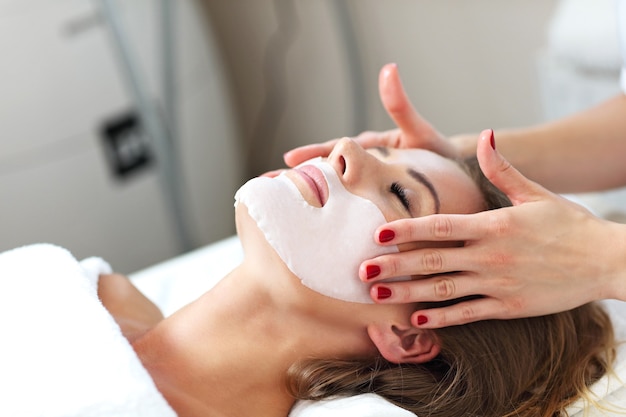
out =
column 400, row 192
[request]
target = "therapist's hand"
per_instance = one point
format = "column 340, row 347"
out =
column 543, row 255
column 413, row 130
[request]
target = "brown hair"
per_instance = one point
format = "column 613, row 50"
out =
column 524, row 367
column 493, row 197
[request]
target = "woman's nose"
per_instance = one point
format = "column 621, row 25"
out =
column 350, row 160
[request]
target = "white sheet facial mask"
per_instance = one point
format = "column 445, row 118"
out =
column 322, row 246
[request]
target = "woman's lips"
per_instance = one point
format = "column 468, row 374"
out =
column 316, row 180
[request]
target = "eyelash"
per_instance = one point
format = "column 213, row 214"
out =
column 400, row 192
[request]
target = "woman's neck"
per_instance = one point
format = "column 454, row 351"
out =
column 228, row 352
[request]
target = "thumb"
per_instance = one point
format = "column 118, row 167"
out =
column 502, row 174
column 400, row 109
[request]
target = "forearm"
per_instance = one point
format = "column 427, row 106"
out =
column 582, row 152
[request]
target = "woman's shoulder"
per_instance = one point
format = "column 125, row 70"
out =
column 131, row 310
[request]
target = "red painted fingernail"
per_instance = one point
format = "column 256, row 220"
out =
column 386, row 235
column 372, row 271
column 493, row 141
column 422, row 320
column 383, row 293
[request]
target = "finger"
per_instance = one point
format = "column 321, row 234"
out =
column 461, row 313
column 432, row 289
column 369, row 139
column 426, row 261
column 304, row 153
column 272, row 174
column 400, row 109
column 502, row 174
column 436, row 228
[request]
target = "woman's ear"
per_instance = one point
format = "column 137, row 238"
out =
column 404, row 345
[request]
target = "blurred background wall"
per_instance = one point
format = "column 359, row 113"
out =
column 254, row 79
column 62, row 85
column 466, row 65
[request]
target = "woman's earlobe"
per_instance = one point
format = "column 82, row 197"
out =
column 404, row 345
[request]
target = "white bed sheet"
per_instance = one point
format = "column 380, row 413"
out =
column 178, row 281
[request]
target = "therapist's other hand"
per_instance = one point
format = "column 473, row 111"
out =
column 413, row 130
column 541, row 256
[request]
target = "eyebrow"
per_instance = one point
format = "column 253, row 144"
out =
column 421, row 178
column 418, row 176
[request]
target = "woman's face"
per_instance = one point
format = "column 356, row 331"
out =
column 320, row 217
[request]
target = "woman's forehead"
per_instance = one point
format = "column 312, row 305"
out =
column 421, row 159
